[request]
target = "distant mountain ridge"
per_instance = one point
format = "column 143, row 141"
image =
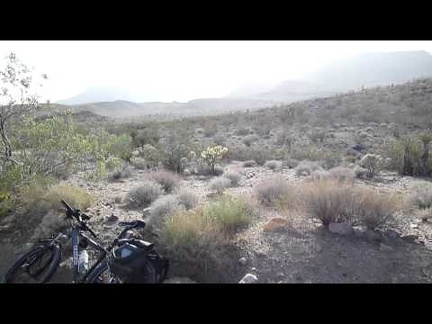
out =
column 365, row 70
column 374, row 69
column 99, row 94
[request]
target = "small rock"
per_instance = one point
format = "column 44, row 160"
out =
column 249, row 278
column 146, row 211
column 243, row 261
column 253, row 269
column 275, row 224
column 280, row 275
column 385, row 248
column 341, row 228
column 413, row 225
column 111, row 220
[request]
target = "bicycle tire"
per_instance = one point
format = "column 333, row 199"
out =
column 28, row 262
column 97, row 275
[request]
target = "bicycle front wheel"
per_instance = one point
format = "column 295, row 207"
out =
column 36, row 266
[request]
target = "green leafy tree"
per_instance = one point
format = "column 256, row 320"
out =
column 17, row 98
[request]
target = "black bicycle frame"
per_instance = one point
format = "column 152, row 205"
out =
column 76, row 236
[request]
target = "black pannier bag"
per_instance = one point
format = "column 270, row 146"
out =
column 137, row 261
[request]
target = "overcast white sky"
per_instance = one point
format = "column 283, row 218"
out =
column 182, row 70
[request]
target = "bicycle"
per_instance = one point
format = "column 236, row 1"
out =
column 41, row 262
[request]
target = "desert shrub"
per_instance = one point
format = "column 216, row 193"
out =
column 330, row 201
column 360, row 173
column 145, row 193
column 259, row 153
column 186, row 231
column 40, row 203
column 188, row 198
column 218, row 170
column 121, row 146
column 273, row 165
column 319, row 174
column 175, row 152
column 53, row 146
column 330, row 159
column 229, row 213
column 203, row 169
column 262, row 154
column 220, row 184
column 148, row 135
column 75, row 196
column 306, row 168
column 243, row 131
column 160, row 208
column 290, row 163
column 139, row 163
column 168, row 180
column 149, row 153
column 219, row 140
column 421, row 195
column 410, row 156
column 290, row 201
column 317, row 136
column 249, row 164
column 199, row 245
column 375, row 209
column 248, row 140
column 372, row 163
column 192, row 243
column 233, row 177
column 334, row 201
column 271, row 190
column 6, row 203
column 305, row 152
column 120, row 173
column 342, row 174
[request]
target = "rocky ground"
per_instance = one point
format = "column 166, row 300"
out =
column 297, row 248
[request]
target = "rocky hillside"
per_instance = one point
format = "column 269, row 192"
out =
column 296, row 197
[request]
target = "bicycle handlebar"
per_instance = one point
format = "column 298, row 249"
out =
column 76, row 213
column 81, row 217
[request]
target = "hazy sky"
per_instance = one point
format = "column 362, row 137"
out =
column 182, row 70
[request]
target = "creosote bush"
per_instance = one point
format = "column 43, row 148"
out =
column 168, row 180
column 233, row 177
column 145, row 193
column 331, row 200
column 271, row 190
